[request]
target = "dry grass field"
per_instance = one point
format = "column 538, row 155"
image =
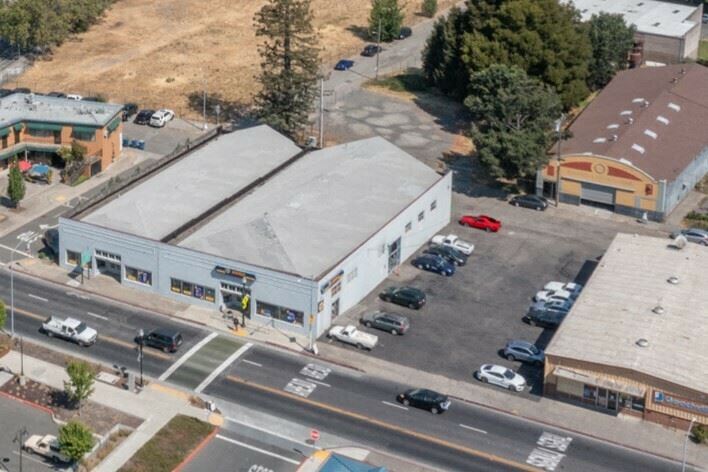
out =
column 157, row 52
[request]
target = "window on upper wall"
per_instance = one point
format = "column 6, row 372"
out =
column 40, row 133
column 83, row 135
column 433, row 205
column 409, row 226
column 421, row 216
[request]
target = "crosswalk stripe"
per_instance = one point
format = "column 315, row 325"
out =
column 170, row 370
column 221, row 368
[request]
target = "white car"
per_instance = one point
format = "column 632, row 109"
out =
column 70, row 329
column 573, row 288
column 161, row 117
column 453, row 241
column 502, row 376
column 46, row 446
column 353, row 336
column 548, row 295
column 73, row 96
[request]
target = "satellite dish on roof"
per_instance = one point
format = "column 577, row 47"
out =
column 679, row 242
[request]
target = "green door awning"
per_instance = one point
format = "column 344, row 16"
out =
column 19, row 126
column 84, row 129
column 114, row 124
column 4, row 132
column 43, row 127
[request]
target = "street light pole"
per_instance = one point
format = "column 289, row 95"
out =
column 559, row 131
column 20, row 440
column 685, row 444
column 141, row 339
column 378, row 48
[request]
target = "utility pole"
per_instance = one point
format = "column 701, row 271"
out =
column 378, row 48
column 321, row 140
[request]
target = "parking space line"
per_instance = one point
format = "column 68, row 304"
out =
column 186, row 356
column 221, row 368
column 395, row 405
column 473, row 428
column 28, row 456
column 252, row 363
column 257, row 449
column 96, row 316
column 37, row 297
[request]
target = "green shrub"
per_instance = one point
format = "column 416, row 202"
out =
column 700, row 433
column 429, row 8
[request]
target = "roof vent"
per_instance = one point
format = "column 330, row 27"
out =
column 614, row 137
column 659, row 310
column 626, row 112
column 679, row 242
column 656, row 24
column 641, row 342
column 599, row 140
column 674, row 107
column 638, row 148
column 650, row 133
column 662, row 119
column 645, row 103
column 683, row 71
column 629, row 120
column 638, row 100
column 613, row 126
column 673, row 280
column 674, row 80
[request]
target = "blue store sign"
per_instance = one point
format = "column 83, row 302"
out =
column 670, row 400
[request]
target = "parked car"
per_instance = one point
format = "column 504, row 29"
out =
column 93, row 99
column 453, row 241
column 56, row 94
column 51, row 241
column 5, row 92
column 562, row 304
column 166, row 340
column 344, row 64
column 73, row 96
column 350, row 335
column 433, row 263
column 548, row 295
column 501, row 376
column 694, row 235
column 405, row 32
column 391, row 322
column 129, row 109
column 143, row 117
column 161, row 117
column 524, row 351
column 46, row 446
column 22, row 90
column 404, row 296
column 371, row 50
column 448, row 253
column 571, row 287
column 530, row 201
column 426, row 399
column 549, row 318
column 484, row 222
column 705, row 18
column 70, row 329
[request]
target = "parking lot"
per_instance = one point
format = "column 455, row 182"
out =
column 468, row 318
column 16, row 416
column 162, row 140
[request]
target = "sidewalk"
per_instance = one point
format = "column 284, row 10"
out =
column 629, row 432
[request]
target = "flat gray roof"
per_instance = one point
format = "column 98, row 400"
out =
column 29, row 107
column 319, row 209
column 614, row 311
column 195, row 183
column 649, row 16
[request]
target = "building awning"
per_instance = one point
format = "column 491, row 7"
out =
column 18, row 126
column 599, row 382
column 114, row 124
column 83, row 129
column 43, row 127
column 4, row 132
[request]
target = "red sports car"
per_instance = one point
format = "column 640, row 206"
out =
column 484, row 222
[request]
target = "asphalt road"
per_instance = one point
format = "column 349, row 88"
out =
column 15, row 416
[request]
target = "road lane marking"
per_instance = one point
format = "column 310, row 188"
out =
column 473, row 428
column 395, row 405
column 320, row 383
column 382, row 424
column 96, row 316
column 300, row 387
column 37, row 297
column 272, row 433
column 222, row 367
column 28, row 456
column 545, row 459
column 251, row 362
column 186, row 356
column 257, row 449
column 16, row 251
column 316, row 371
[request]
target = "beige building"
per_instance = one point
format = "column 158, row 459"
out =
column 635, row 341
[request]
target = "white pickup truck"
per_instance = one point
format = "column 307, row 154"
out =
column 70, row 329
column 47, row 446
column 453, row 241
column 351, row 335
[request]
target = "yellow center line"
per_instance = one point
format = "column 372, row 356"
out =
column 101, row 337
column 389, row 426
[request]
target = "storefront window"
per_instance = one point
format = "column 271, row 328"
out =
column 83, row 135
column 193, row 290
column 280, row 313
column 72, row 257
column 625, row 401
column 590, row 393
column 137, row 275
column 40, row 133
column 638, row 403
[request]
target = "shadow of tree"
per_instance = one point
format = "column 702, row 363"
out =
column 361, row 32
column 229, row 111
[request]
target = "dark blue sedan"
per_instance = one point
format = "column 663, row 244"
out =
column 434, row 263
column 344, row 64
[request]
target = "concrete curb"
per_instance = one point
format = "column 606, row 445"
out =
column 37, row 406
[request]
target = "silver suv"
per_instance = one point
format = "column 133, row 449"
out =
column 523, row 351
column 391, row 322
column 695, row 235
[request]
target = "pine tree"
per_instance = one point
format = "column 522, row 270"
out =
column 290, row 60
column 389, row 15
column 15, row 185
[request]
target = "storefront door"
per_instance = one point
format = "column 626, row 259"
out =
column 602, row 397
column 394, row 255
column 335, row 308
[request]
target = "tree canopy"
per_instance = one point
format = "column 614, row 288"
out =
column 75, row 440
column 512, row 115
column 389, row 14
column 289, row 64
column 81, row 380
column 15, row 184
column 611, row 40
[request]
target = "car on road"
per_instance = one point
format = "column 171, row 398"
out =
column 410, row 297
column 524, row 351
column 453, row 241
column 404, row 32
column 46, row 446
column 547, row 318
column 448, row 253
column 56, row 94
column 5, row 92
column 391, row 322
column 161, row 117
column 70, row 329
column 571, row 287
column 129, row 109
column 548, row 295
column 22, row 90
column 501, row 376
column 371, row 50
column 694, row 235
column 530, row 201
column 344, row 64
column 351, row 335
column 484, row 222
column 74, row 96
column 433, row 263
column 425, row 399
column 166, row 340
column 143, row 117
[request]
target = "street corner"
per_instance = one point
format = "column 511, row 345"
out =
column 216, row 419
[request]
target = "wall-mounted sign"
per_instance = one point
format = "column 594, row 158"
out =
column 234, row 273
column 332, row 282
column 667, row 399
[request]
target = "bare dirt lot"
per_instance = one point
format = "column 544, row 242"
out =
column 158, row 52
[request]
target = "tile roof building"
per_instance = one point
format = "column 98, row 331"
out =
column 640, row 146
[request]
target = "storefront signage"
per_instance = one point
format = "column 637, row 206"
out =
column 332, row 282
column 665, row 398
column 234, row 273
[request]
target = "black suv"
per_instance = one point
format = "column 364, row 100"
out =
column 143, row 117
column 404, row 296
column 405, row 32
column 129, row 109
column 371, row 50
column 450, row 254
column 530, row 201
column 164, row 339
column 549, row 318
column 425, row 399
